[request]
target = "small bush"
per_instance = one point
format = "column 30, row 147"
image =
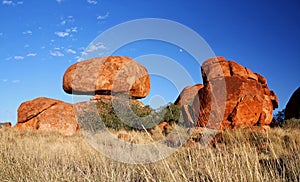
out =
column 121, row 115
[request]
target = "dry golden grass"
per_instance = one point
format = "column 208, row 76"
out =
column 242, row 156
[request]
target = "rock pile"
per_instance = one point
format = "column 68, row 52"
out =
column 244, row 96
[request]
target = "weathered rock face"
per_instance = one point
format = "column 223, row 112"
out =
column 292, row 109
column 106, row 75
column 188, row 94
column 242, row 95
column 44, row 114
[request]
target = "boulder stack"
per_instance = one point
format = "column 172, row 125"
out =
column 101, row 77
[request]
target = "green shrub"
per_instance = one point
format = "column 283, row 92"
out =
column 125, row 114
column 121, row 115
column 171, row 112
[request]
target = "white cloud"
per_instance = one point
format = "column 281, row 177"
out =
column 63, row 22
column 7, row 2
column 62, row 34
column 59, row 1
column 71, row 51
column 92, row 1
column 103, row 17
column 4, row 80
column 67, row 20
column 18, row 57
column 95, row 47
column 67, row 32
column 74, row 29
column 27, row 32
column 56, row 54
column 1, row 33
column 31, row 54
column 12, row 3
column 16, row 81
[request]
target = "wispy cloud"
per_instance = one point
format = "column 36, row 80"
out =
column 73, row 29
column 11, row 3
column 56, row 54
column 62, row 34
column 10, row 81
column 67, row 32
column 95, row 47
column 16, row 81
column 92, row 2
column 59, row 1
column 103, row 17
column 18, row 57
column 27, row 32
column 7, row 2
column 67, row 20
column 31, row 54
column 71, row 51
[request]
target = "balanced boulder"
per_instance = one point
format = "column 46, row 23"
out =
column 107, row 75
column 232, row 96
column 44, row 114
column 292, row 109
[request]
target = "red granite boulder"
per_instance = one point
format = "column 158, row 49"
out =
column 44, row 114
column 232, row 96
column 106, row 75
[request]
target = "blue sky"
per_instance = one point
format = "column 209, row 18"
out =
column 39, row 40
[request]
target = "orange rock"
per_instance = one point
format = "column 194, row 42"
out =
column 125, row 136
column 188, row 94
column 44, row 114
column 242, row 95
column 163, row 125
column 106, row 75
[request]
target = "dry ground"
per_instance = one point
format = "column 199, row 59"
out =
column 241, row 156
